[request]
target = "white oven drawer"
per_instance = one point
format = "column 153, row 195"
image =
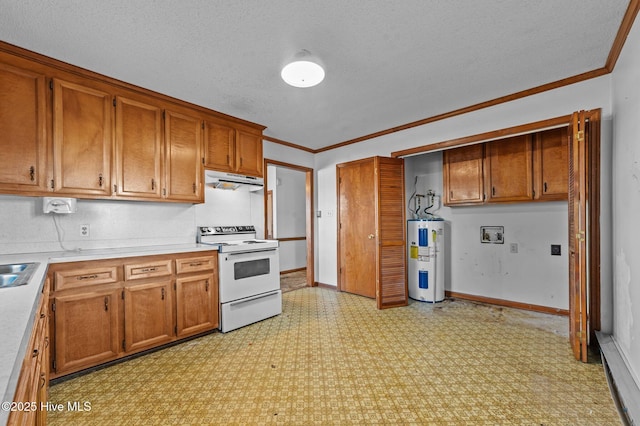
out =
column 252, row 309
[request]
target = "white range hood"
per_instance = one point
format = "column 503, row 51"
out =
column 232, row 181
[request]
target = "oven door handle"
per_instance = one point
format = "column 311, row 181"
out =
column 259, row 296
column 250, row 253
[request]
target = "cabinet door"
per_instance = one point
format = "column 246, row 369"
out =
column 219, row 146
column 148, row 315
column 138, row 149
column 196, row 304
column 551, row 165
column 86, row 329
column 509, row 169
column 183, row 159
column 22, row 130
column 463, row 179
column 249, row 153
column 82, row 139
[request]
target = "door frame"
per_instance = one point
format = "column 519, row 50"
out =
column 309, row 189
column 593, row 175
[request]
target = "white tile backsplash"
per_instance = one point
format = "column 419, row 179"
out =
column 25, row 229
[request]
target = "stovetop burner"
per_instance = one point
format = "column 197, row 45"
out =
column 233, row 238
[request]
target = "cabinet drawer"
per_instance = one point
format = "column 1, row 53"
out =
column 156, row 268
column 195, row 264
column 73, row 278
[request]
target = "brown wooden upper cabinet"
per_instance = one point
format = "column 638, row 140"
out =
column 183, row 144
column 82, row 139
column 139, row 153
column 522, row 168
column 509, row 167
column 551, row 165
column 69, row 131
column 232, row 148
column 23, row 133
column 463, row 175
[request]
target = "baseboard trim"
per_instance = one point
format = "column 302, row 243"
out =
column 507, row 303
column 288, row 271
column 323, row 285
column 624, row 390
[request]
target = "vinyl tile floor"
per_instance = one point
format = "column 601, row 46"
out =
column 333, row 358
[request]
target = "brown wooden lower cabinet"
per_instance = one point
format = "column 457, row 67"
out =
column 148, row 313
column 32, row 388
column 145, row 304
column 86, row 328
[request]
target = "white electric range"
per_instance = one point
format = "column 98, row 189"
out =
column 248, row 274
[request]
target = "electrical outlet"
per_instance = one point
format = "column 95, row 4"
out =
column 555, row 250
column 85, row 231
column 513, row 247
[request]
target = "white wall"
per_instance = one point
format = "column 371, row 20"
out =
column 225, row 207
column 591, row 94
column 24, row 228
column 626, row 202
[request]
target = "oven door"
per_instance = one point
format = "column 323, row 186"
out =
column 245, row 274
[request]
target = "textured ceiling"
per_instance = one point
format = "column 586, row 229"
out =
column 388, row 62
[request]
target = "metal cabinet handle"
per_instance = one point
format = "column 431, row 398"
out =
column 106, row 303
column 196, row 264
column 153, row 184
column 545, row 187
column 162, row 294
column 32, row 173
column 100, row 180
column 87, row 277
column 371, row 236
column 149, row 269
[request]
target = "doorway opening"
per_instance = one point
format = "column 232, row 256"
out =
column 288, row 218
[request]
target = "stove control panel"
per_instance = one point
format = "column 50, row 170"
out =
column 226, row 230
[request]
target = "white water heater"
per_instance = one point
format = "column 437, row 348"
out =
column 425, row 254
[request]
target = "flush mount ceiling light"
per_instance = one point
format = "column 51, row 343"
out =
column 303, row 71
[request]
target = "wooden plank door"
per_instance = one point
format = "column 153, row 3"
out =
column 391, row 280
column 579, row 217
column 357, row 228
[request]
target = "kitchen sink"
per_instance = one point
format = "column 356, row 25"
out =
column 15, row 274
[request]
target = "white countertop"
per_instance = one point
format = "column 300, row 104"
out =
column 18, row 304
